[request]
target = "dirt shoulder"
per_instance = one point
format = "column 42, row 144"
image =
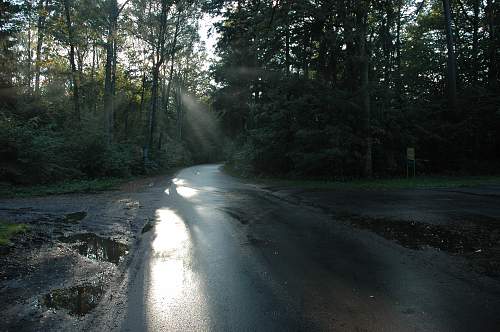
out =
column 75, row 248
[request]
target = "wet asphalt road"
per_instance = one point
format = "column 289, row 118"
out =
column 229, row 256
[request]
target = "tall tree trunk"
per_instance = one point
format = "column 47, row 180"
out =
column 398, row 83
column 113, row 83
column 29, row 55
column 39, row 42
column 365, row 100
column 74, row 74
column 108, row 80
column 451, row 66
column 154, row 106
column 92, row 76
column 163, row 83
column 333, row 63
column 364, row 67
column 287, row 40
column 108, row 95
column 388, row 45
column 143, row 91
column 126, row 115
column 172, row 59
column 350, row 72
column 171, row 73
column 159, row 57
column 322, row 52
column 493, row 70
column 475, row 42
column 305, row 58
column 180, row 114
column 92, row 68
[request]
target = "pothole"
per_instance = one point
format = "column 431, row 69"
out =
column 478, row 240
column 97, row 248
column 78, row 300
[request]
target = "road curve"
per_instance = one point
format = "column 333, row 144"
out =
column 229, row 256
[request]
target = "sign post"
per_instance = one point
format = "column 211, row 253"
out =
column 410, row 161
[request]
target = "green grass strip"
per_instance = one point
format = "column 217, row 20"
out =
column 7, row 231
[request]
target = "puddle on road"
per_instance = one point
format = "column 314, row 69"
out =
column 69, row 218
column 147, row 227
column 258, row 242
column 416, row 235
column 78, row 300
column 97, row 248
column 477, row 239
column 75, row 217
column 235, row 214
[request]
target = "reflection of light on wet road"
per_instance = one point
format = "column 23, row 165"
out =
column 173, row 286
column 170, row 234
column 182, row 189
column 186, row 192
column 178, row 181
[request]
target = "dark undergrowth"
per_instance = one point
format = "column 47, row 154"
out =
column 374, row 183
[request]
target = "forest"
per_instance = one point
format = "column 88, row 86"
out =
column 100, row 89
column 311, row 88
column 340, row 89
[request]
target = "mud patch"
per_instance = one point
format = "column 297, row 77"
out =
column 77, row 300
column 97, row 248
column 477, row 240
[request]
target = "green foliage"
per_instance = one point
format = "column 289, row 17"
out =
column 9, row 26
column 7, row 231
column 298, row 129
column 36, row 153
column 341, row 89
column 76, row 89
column 174, row 154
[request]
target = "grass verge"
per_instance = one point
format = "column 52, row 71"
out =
column 418, row 182
column 76, row 186
column 66, row 187
column 7, row 231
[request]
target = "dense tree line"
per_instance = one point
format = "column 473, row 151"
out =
column 99, row 87
column 309, row 88
column 341, row 88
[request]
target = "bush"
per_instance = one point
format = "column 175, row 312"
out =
column 31, row 153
